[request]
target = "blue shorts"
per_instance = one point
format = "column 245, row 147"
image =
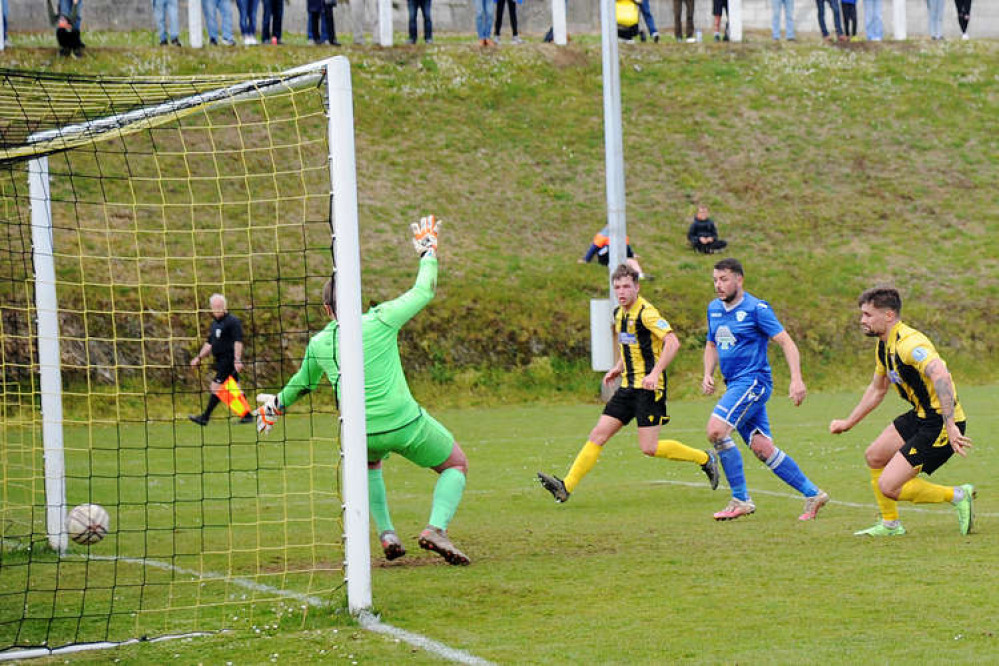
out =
column 744, row 407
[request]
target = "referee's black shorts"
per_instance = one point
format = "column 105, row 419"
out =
column 648, row 407
column 927, row 445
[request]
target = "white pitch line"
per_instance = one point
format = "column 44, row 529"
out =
column 774, row 493
column 373, row 623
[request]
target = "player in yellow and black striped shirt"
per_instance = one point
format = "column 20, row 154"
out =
column 646, row 345
column 920, row 440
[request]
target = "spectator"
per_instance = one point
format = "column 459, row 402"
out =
column 600, row 248
column 873, row 27
column 6, row 24
column 788, row 6
column 678, row 22
column 650, row 22
column 484, row 22
column 627, row 12
column 513, row 19
column 248, row 21
column 963, row 16
column 428, row 24
column 849, row 18
column 323, row 8
column 716, row 11
column 165, row 13
column 225, row 344
column 270, row 30
column 820, row 5
column 212, row 9
column 935, row 10
column 703, row 234
column 67, row 21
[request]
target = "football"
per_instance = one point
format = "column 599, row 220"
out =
column 88, row 523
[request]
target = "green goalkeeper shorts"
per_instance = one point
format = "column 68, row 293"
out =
column 424, row 442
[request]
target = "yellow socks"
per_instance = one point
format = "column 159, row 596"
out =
column 674, row 450
column 889, row 508
column 919, row 491
column 581, row 466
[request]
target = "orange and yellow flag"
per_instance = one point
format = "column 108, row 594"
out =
column 233, row 397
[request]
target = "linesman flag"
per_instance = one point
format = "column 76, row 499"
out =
column 230, row 394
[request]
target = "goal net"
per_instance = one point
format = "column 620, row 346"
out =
column 125, row 204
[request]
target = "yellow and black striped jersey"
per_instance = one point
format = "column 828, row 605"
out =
column 903, row 359
column 640, row 331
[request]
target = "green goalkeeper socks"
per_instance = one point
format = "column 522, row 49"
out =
column 378, row 501
column 447, row 496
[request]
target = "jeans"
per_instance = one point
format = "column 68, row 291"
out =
column 428, row 25
column 873, row 27
column 66, row 9
column 788, row 6
column 650, row 22
column 849, row 18
column 212, row 8
column 484, row 18
column 247, row 17
column 935, row 10
column 834, row 5
column 165, row 12
column 273, row 15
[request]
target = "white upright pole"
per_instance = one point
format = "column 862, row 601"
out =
column 898, row 19
column 735, row 20
column 560, row 33
column 613, row 141
column 385, row 22
column 46, row 304
column 3, row 31
column 194, row 24
column 347, row 254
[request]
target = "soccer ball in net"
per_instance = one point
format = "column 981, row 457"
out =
column 88, row 523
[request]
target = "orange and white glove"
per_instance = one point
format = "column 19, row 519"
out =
column 425, row 235
column 270, row 408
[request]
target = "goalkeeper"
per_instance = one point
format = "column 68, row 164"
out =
column 395, row 422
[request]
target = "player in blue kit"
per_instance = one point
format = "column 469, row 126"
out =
column 740, row 326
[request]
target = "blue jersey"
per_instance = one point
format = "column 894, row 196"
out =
column 741, row 335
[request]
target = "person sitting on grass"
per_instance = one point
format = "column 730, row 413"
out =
column 600, row 248
column 703, row 234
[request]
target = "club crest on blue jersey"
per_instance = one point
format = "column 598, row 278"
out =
column 740, row 315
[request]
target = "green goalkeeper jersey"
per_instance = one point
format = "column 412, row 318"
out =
column 388, row 403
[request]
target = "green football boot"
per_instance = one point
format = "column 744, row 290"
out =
column 966, row 509
column 881, row 530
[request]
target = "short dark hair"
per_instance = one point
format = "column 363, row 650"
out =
column 624, row 270
column 329, row 294
column 730, row 264
column 883, row 298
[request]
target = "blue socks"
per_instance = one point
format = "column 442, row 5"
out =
column 731, row 461
column 784, row 467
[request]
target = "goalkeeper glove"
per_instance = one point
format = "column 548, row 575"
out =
column 425, row 235
column 270, row 408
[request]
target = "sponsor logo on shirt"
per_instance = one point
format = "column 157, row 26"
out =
column 626, row 338
column 894, row 377
column 724, row 338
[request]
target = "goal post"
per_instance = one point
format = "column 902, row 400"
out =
column 124, row 205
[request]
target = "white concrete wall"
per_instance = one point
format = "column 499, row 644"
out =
column 453, row 16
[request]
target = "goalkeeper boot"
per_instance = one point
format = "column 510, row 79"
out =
column 555, row 486
column 882, row 530
column 966, row 509
column 735, row 509
column 711, row 468
column 200, row 419
column 813, row 504
column 391, row 545
column 435, row 539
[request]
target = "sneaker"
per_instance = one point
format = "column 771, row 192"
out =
column 813, row 504
column 435, row 539
column 249, row 40
column 964, row 36
column 735, row 509
column 163, row 42
column 655, row 37
column 555, row 486
column 212, row 41
column 227, row 42
column 711, row 468
column 641, row 35
column 248, row 418
column 881, row 530
column 391, row 545
column 497, row 39
column 275, row 41
column 717, row 36
column 176, row 41
column 966, row 509
column 200, row 419
column 516, row 40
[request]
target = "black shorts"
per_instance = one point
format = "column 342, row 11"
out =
column 649, row 407
column 927, row 446
column 224, row 371
column 718, row 6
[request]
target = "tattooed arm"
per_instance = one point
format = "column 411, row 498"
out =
column 944, row 385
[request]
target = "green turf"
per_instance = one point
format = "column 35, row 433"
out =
column 633, row 568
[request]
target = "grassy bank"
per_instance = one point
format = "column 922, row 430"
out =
column 827, row 169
